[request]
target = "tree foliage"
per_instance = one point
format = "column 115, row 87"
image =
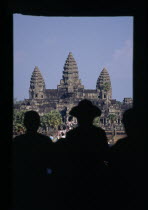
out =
column 52, row 119
column 18, row 118
column 112, row 118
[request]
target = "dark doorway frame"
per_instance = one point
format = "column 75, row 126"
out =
column 45, row 8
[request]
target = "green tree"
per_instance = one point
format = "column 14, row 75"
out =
column 18, row 118
column 96, row 121
column 112, row 118
column 52, row 119
column 44, row 122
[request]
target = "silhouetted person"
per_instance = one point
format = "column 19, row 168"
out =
column 31, row 160
column 81, row 159
column 126, row 162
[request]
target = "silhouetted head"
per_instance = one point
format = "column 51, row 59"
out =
column 129, row 121
column 85, row 112
column 32, row 121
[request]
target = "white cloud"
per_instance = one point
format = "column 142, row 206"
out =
column 125, row 51
column 121, row 63
column 120, row 69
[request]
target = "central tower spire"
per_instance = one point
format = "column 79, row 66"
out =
column 70, row 82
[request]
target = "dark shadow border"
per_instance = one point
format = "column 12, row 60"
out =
column 44, row 8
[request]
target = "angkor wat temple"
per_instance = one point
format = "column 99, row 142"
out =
column 70, row 91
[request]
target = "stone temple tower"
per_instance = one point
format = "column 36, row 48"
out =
column 103, row 85
column 70, row 83
column 37, row 85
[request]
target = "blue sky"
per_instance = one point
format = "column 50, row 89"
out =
column 95, row 42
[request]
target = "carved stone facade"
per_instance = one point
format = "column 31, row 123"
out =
column 37, row 85
column 70, row 86
column 70, row 91
column 104, row 85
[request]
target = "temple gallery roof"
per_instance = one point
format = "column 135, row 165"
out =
column 51, row 91
column 89, row 90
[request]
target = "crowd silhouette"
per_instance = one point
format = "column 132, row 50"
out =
column 80, row 171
